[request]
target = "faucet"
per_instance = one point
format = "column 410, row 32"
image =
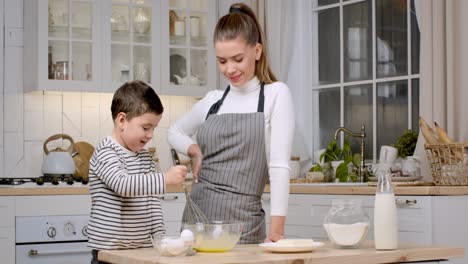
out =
column 362, row 135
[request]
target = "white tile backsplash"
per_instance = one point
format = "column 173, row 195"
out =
column 13, row 113
column 178, row 105
column 13, row 154
column 33, row 155
column 34, row 125
column 2, row 167
column 84, row 116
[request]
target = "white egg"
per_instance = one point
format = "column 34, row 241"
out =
column 187, row 235
column 176, row 246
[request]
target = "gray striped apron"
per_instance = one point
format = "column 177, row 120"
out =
column 234, row 169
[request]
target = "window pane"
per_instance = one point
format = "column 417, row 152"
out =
column 358, row 111
column 323, row 2
column 329, row 114
column 329, row 46
column 392, row 111
column 357, row 41
column 415, row 105
column 415, row 41
column 391, row 29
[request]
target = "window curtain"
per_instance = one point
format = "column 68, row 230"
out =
column 444, row 61
column 289, row 35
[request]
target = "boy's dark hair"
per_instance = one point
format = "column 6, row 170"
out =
column 135, row 98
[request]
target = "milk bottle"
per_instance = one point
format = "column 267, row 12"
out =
column 385, row 211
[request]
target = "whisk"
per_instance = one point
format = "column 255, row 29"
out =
column 193, row 213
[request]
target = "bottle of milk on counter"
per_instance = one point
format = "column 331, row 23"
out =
column 385, row 211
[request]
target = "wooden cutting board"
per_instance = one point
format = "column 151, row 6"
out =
column 84, row 152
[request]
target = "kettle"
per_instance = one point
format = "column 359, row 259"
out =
column 58, row 161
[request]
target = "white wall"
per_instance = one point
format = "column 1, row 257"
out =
column 30, row 118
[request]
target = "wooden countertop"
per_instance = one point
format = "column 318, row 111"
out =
column 254, row 254
column 296, row 188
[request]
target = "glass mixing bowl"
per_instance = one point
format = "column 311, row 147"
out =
column 217, row 236
column 171, row 246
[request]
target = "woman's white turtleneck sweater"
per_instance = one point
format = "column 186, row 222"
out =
column 279, row 130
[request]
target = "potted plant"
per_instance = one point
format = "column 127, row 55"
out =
column 339, row 159
column 406, row 144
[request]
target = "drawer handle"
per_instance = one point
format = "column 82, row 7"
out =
column 406, row 202
column 169, row 198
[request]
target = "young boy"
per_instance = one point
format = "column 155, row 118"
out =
column 123, row 181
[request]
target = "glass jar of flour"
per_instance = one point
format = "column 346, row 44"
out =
column 346, row 223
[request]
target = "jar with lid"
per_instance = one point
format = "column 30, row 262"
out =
column 346, row 223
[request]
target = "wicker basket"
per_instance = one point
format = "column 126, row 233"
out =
column 449, row 163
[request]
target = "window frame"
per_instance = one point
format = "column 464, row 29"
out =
column 374, row 81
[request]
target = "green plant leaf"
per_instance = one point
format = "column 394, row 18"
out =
column 406, row 143
column 317, row 167
column 342, row 172
column 356, row 160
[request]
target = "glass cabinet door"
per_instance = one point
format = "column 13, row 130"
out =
column 70, row 40
column 131, row 40
column 189, row 27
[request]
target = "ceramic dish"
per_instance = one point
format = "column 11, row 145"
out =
column 277, row 248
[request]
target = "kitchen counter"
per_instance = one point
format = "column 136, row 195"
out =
column 295, row 188
column 254, row 254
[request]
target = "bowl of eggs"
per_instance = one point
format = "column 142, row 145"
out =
column 173, row 246
column 217, row 236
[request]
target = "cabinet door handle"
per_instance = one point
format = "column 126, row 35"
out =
column 169, row 198
column 406, row 202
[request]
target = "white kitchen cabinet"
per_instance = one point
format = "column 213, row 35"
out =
column 131, row 42
column 7, row 229
column 96, row 46
column 425, row 220
column 7, row 245
column 164, row 43
column 189, row 64
column 61, row 45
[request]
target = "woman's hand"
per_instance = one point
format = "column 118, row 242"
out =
column 196, row 156
column 276, row 229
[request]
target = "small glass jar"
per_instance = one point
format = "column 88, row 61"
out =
column 346, row 223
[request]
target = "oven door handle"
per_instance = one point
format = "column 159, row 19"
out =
column 34, row 252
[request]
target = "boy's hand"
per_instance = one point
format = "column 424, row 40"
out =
column 195, row 154
column 176, row 175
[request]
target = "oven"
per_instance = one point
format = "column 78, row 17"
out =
column 52, row 240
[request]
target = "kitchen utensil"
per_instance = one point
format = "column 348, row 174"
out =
column 82, row 156
column 193, row 213
column 58, row 161
column 217, row 236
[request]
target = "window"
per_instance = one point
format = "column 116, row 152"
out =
column 366, row 70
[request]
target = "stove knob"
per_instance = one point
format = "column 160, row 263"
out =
column 51, row 232
column 55, row 181
column 84, row 231
column 69, row 229
column 69, row 180
column 40, row 181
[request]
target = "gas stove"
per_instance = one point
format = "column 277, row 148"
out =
column 43, row 180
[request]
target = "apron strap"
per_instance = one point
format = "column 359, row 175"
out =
column 216, row 106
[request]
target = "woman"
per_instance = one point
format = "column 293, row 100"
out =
column 244, row 134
